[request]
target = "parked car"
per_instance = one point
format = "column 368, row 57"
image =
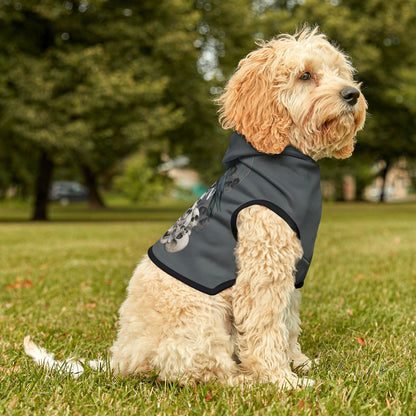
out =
column 68, row 191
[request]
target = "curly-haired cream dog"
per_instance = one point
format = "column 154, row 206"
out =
column 217, row 297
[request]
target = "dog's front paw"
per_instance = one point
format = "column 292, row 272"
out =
column 297, row 383
column 304, row 364
column 306, row 382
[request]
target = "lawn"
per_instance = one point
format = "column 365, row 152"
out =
column 62, row 282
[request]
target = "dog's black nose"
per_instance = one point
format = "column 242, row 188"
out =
column 350, row 95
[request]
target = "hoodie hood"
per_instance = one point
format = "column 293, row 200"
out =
column 239, row 148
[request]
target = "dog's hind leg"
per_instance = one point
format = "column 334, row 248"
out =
column 141, row 324
column 267, row 252
column 177, row 331
column 199, row 348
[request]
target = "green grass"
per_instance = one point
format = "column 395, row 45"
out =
column 362, row 284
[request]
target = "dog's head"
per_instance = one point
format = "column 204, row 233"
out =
column 295, row 90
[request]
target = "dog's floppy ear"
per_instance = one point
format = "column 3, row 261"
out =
column 251, row 104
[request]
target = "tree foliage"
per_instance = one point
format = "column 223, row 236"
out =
column 87, row 84
column 140, row 181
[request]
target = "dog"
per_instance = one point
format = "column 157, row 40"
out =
column 218, row 299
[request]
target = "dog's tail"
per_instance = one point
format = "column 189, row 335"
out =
column 71, row 365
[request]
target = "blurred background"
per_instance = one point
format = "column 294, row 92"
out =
column 108, row 100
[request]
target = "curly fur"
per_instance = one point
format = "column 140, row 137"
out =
column 266, row 102
column 248, row 332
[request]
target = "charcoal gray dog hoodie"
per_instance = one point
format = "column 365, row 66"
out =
column 199, row 248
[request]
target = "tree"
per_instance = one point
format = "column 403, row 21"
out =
column 95, row 82
column 225, row 35
column 81, row 84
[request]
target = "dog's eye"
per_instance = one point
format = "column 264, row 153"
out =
column 306, row 76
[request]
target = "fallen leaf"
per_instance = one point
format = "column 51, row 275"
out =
column 310, row 314
column 301, row 404
column 350, row 312
column 359, row 277
column 209, row 396
column 10, row 287
column 91, row 305
column 361, row 341
column 20, row 285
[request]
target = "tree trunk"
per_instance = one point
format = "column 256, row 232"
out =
column 95, row 199
column 384, row 177
column 42, row 185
